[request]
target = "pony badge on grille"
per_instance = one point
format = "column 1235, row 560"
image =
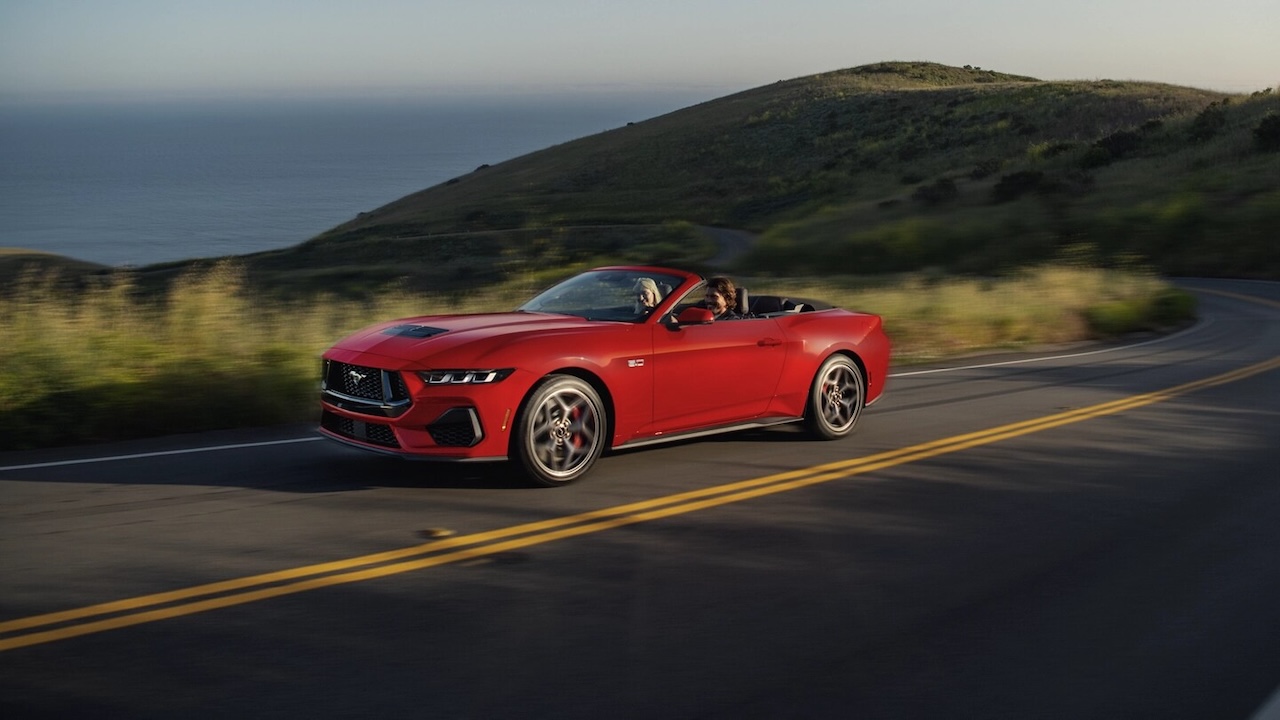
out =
column 358, row 377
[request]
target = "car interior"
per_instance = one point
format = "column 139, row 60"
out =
column 758, row 306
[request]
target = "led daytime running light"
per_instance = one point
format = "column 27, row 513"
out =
column 463, row 377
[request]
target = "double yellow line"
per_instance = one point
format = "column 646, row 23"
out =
column 39, row 629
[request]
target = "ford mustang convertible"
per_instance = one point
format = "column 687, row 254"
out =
column 616, row 357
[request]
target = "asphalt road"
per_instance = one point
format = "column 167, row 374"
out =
column 1085, row 533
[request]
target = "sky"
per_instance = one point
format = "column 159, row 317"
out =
column 124, row 50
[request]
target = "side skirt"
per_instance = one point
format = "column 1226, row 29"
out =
column 672, row 437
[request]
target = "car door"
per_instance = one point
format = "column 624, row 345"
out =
column 713, row 374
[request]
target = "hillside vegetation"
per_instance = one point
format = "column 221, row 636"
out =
column 882, row 168
column 115, row 363
column 885, row 168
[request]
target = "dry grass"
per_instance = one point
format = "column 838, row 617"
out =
column 929, row 320
column 114, row 363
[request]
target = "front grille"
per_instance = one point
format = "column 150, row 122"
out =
column 383, row 386
column 354, row 380
column 372, row 433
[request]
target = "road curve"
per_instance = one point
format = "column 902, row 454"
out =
column 1077, row 534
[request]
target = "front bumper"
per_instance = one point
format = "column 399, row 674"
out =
column 446, row 422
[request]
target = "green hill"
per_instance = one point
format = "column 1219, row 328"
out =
column 16, row 261
column 886, row 167
column 883, row 168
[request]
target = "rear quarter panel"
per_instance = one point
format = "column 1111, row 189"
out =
column 814, row 337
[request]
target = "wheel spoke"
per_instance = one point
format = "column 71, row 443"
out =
column 542, row 424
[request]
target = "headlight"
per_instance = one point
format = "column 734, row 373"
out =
column 464, row 377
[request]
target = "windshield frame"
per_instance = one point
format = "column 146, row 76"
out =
column 607, row 294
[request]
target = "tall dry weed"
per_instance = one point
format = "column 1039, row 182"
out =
column 111, row 362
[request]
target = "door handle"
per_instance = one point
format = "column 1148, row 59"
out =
column 768, row 342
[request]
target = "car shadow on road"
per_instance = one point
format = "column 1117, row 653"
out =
column 305, row 467
column 357, row 471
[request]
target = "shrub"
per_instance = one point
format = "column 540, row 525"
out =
column 1015, row 185
column 1096, row 157
column 1172, row 306
column 1166, row 308
column 985, row 168
column 1120, row 143
column 1046, row 150
column 1209, row 121
column 1114, row 317
column 1073, row 183
column 1267, row 134
column 937, row 192
column 1111, row 148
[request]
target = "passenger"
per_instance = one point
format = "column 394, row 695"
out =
column 647, row 295
column 721, row 296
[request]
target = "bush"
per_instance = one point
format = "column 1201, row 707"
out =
column 1095, row 157
column 1209, row 121
column 1167, row 308
column 937, row 192
column 1015, row 185
column 1120, row 143
column 1172, row 306
column 985, row 168
column 1115, row 317
column 1047, row 150
column 1267, row 134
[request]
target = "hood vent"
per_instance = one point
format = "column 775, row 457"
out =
column 413, row 331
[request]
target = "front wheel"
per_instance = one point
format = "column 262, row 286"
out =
column 836, row 398
column 561, row 431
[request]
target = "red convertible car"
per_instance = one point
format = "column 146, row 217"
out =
column 587, row 366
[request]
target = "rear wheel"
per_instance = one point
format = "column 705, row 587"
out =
column 836, row 398
column 561, row 431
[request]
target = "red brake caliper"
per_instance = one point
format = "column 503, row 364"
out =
column 575, row 439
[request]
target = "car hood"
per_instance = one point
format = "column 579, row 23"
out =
column 413, row 339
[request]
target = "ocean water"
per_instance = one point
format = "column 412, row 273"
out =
column 141, row 184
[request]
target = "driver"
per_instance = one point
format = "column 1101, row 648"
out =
column 721, row 296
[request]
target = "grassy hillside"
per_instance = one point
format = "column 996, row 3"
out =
column 882, row 168
column 15, row 262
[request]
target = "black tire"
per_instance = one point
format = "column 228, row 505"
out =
column 561, row 432
column 836, row 398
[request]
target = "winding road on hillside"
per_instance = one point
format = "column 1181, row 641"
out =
column 1082, row 534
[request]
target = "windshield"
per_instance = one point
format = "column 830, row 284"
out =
column 622, row 295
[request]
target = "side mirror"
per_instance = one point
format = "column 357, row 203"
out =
column 696, row 316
